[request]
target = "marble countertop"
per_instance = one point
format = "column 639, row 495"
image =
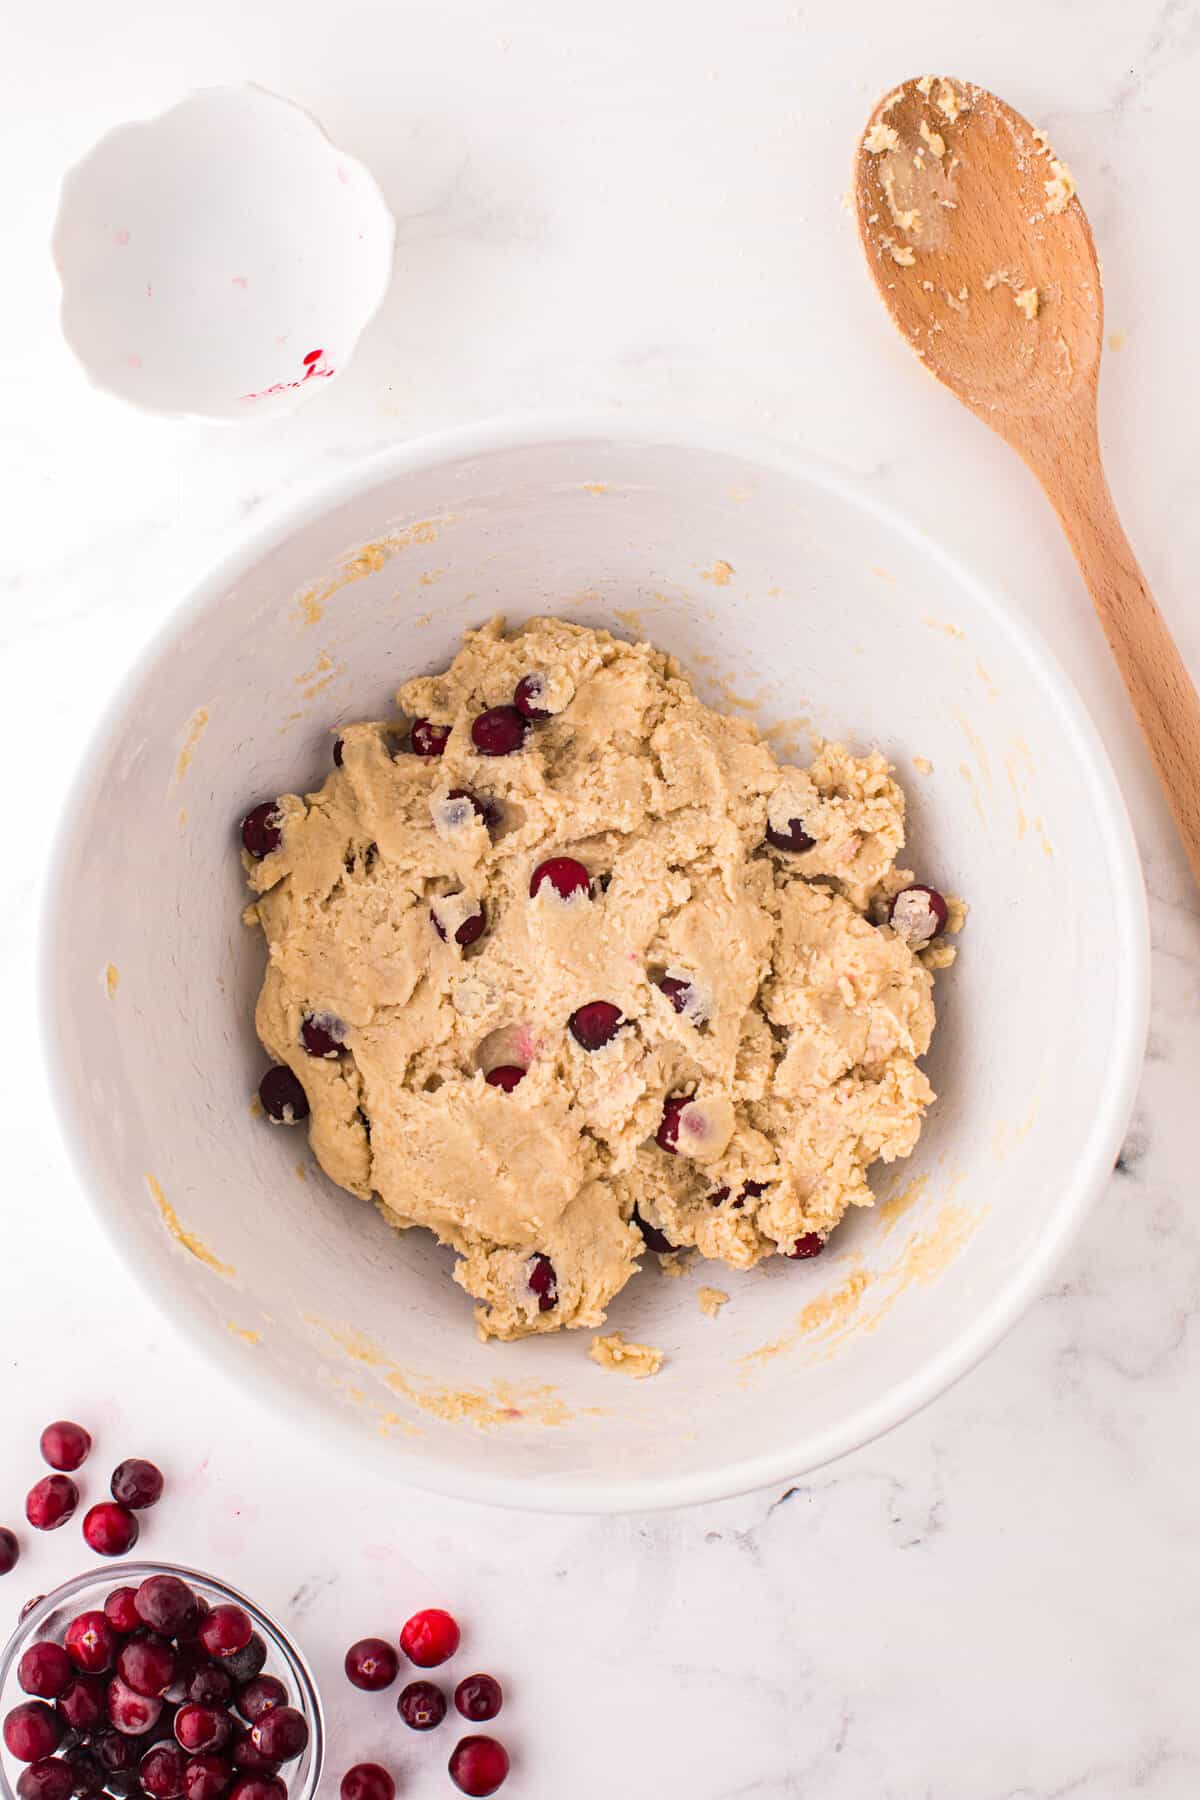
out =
column 621, row 210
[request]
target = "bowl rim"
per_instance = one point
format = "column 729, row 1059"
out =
column 1117, row 856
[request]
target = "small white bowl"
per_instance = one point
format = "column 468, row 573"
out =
column 222, row 260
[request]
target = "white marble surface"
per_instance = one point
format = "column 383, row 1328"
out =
column 618, row 209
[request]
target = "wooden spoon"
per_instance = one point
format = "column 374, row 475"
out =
column 985, row 260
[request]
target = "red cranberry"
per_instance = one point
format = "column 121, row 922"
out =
column 367, row 1781
column 487, row 810
column 321, row 1035
column 371, row 1664
column 422, row 1705
column 262, row 829
column 167, row 1605
column 281, row 1734
column 595, row 1024
column 531, row 691
column 90, row 1775
column 45, row 1670
column 794, row 838
column 207, row 1778
column 48, row 1779
column 470, row 929
column 339, row 750
column 91, row 1643
column 429, row 1638
column 283, row 1098
column 543, row 1282
column 65, row 1445
column 81, row 1705
column 260, row 1787
column 245, row 1664
column 129, row 1712
column 116, row 1752
column 667, row 1135
column 32, row 1730
column 244, row 1756
column 678, row 992
column 161, row 1771
column 109, row 1529
column 566, row 876
column 428, row 739
column 479, row 1697
column 208, row 1685
column 226, row 1629
column 808, row 1245
column 137, row 1483
column 148, row 1665
column 50, row 1502
column 506, row 1077
column 10, row 1552
column 499, row 731
column 917, row 914
column 201, row 1728
column 478, row 1765
column 120, row 1609
column 655, row 1239
column 260, row 1695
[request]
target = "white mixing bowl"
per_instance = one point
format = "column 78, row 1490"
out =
column 786, row 591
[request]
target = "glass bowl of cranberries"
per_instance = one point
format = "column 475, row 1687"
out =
column 152, row 1682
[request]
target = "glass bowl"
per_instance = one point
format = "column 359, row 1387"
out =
column 52, row 1614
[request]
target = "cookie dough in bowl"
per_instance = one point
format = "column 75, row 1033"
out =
column 570, row 970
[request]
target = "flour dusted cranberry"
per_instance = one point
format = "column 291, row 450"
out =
column 431, row 1637
column 499, row 731
column 208, row 1685
column 32, row 1730
column 201, row 1728
column 804, row 1247
column 225, row 1630
column 161, row 1771
column 478, row 1765
column 544, row 1283
column 917, row 915
column 791, row 836
column 259, row 1787
column 367, row 1781
column 167, row 1605
column 479, row 1697
column 428, row 739
column 147, row 1665
column 80, row 1706
column 595, row 1024
column 129, row 1712
column 50, row 1502
column 529, row 698
column 120, row 1609
column 245, row 1664
column 65, row 1445
column 51, row 1778
column 109, row 1529
column 10, row 1550
column 566, row 877
column 264, row 1692
column 371, row 1664
column 91, row 1643
column 667, row 1135
column 655, row 1239
column 45, row 1670
column 262, row 829
column 422, row 1705
column 506, row 1077
column 207, row 1777
column 322, row 1035
column 281, row 1734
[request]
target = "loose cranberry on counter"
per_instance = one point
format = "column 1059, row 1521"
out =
column 32, row 1730
column 50, row 1502
column 45, row 1670
column 479, row 1697
column 10, row 1551
column 543, row 1282
column 371, row 1664
column 129, row 1712
column 795, row 838
column 207, row 1685
column 478, row 1765
column 147, row 1665
column 167, row 1605
column 109, row 1529
column 244, row 1756
column 260, row 1787
column 245, row 1664
column 207, row 1778
column 428, row 739
column 91, row 1643
column 655, row 1239
column 262, row 829
column 49, row 1779
column 81, row 1705
column 595, row 1024
column 531, row 691
column 201, row 1728
column 422, row 1705
column 161, row 1771
column 136, row 1483
column 917, row 914
column 321, row 1035
column 808, row 1245
column 667, row 1135
column 506, row 1077
column 120, row 1609
column 281, row 1734
column 566, row 876
column 282, row 1096
column 260, row 1695
column 65, row 1445
column 367, row 1781
column 499, row 731
column 430, row 1637
column 227, row 1629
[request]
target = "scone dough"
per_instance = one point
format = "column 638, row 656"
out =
column 801, row 1026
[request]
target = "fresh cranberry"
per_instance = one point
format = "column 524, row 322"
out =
column 10, row 1551
column 207, row 1778
column 245, row 1664
column 262, row 829
column 120, row 1609
column 428, row 739
column 45, row 1670
column 487, row 810
column 429, row 1638
column 244, row 1756
column 91, row 1643
column 201, row 1728
column 283, row 1098
column 161, row 1771
column 542, row 1281
column 470, row 929
column 917, row 914
column 130, row 1712
column 678, row 992
column 422, row 1705
column 655, row 1239
column 499, row 731
column 479, row 1697
column 808, row 1245
column 339, row 749
column 260, row 1787
column 109, row 1529
column 81, row 1705
column 64, row 1445
column 260, row 1695
column 566, row 876
column 50, row 1502
column 90, row 1777
column 281, row 1734
column 208, row 1685
column 167, row 1605
column 136, row 1483
column 321, row 1035
column 595, row 1024
column 226, row 1630
column 367, row 1781
column 187, row 1631
column 795, row 838
column 531, row 691
column 32, row 1730
column 148, row 1665
column 116, row 1752
column 48, row 1779
column 506, row 1077
column 667, row 1135
column 478, row 1765
column 371, row 1664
